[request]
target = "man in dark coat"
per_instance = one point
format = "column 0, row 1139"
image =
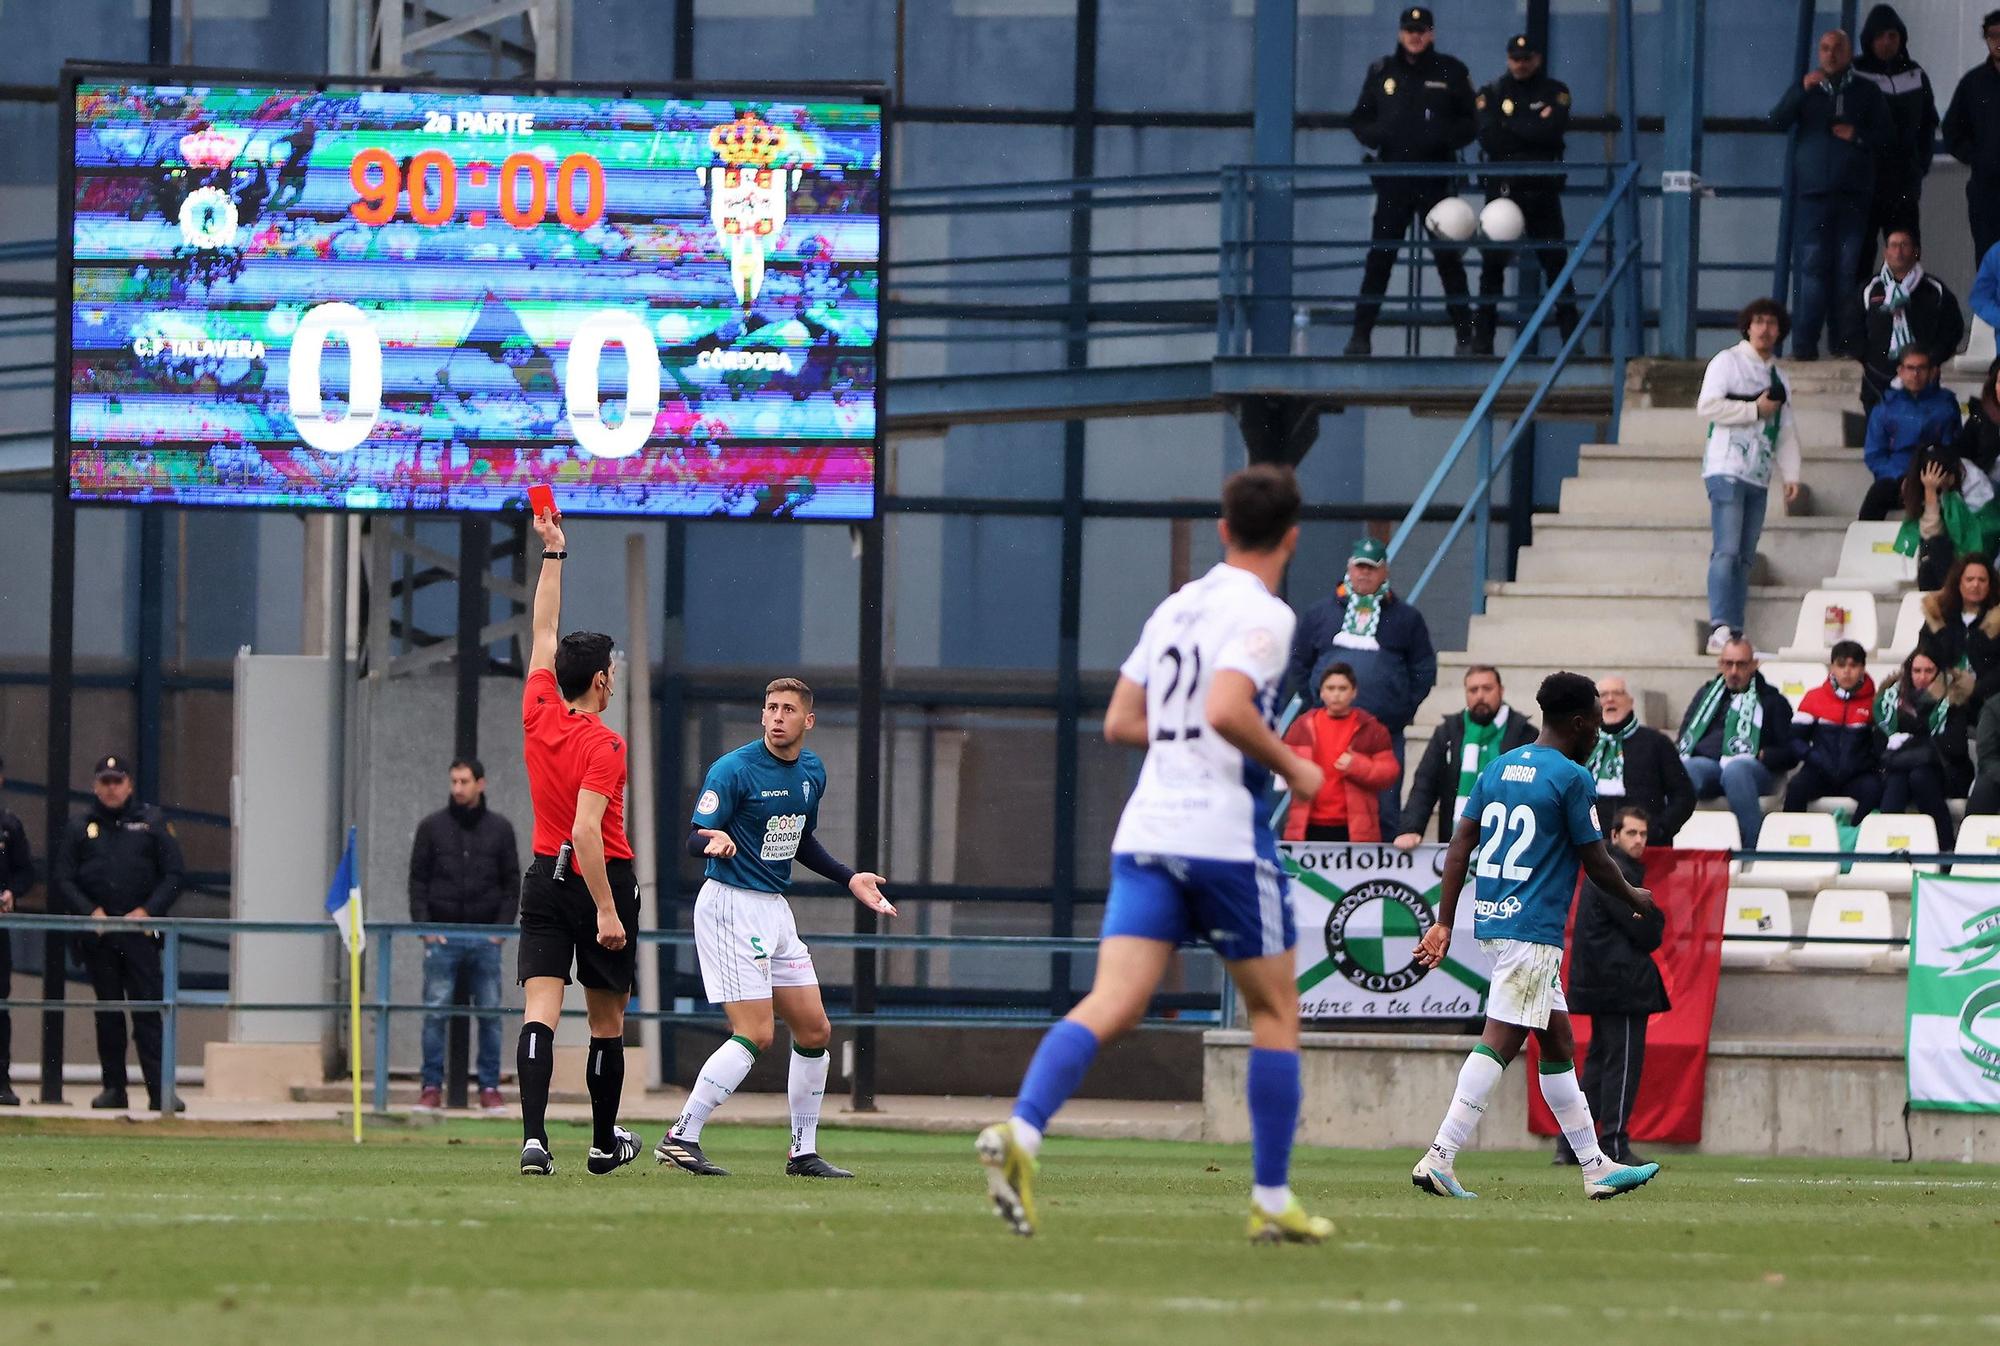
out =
column 121, row 862
column 1523, row 117
column 1882, row 57
column 1902, row 306
column 1613, row 979
column 1843, row 125
column 1383, row 639
column 1971, row 133
column 1460, row 749
column 1637, row 765
column 1736, row 738
column 1416, row 107
column 465, row 869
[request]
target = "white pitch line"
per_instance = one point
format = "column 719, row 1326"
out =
column 1954, row 1183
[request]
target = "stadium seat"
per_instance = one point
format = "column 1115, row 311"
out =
column 1797, row 832
column 1814, row 636
column 1755, row 911
column 1909, row 625
column 1846, row 913
column 1979, row 834
column 1793, row 679
column 1884, row 833
column 1869, row 560
column 1711, row 830
column 1831, row 804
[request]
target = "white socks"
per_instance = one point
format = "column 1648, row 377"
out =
column 1271, row 1200
column 1476, row 1078
column 1028, row 1136
column 807, row 1088
column 720, row 1075
column 1565, row 1099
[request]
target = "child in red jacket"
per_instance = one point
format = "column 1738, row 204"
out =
column 1352, row 748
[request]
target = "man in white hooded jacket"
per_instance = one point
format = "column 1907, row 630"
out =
column 1751, row 430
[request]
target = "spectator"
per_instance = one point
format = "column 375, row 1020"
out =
column 1920, row 725
column 1352, row 748
column 1914, row 412
column 17, row 876
column 1833, row 734
column 464, row 870
column 1523, row 116
column 1962, row 626
column 1736, row 738
column 1458, row 751
column 120, row 862
column 1751, row 430
column 1613, row 979
column 1946, row 513
column 1637, row 765
column 1884, row 60
column 1978, row 441
column 1972, row 136
column 1985, row 796
column 1843, row 124
column 1383, row 639
column 1416, row 107
column 1902, row 307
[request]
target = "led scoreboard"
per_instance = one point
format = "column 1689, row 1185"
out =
column 363, row 299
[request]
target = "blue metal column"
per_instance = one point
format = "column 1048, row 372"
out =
column 170, row 1022
column 1781, row 269
column 1628, row 317
column 151, row 653
column 1680, row 210
column 1482, row 514
column 1274, row 77
column 382, row 947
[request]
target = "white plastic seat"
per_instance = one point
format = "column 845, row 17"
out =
column 1797, row 832
column 1813, row 638
column 1832, row 804
column 1979, row 834
column 1884, row 833
column 1869, row 560
column 1755, row 911
column 1793, row 679
column 1712, row 830
column 1909, row 626
column 1846, row 913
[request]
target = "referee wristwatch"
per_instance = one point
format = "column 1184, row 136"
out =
column 555, row 555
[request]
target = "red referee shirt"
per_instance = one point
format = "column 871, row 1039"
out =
column 567, row 751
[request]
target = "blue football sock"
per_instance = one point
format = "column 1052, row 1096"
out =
column 1065, row 1054
column 1274, row 1113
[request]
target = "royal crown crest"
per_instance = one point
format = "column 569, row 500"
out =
column 749, row 142
column 212, row 147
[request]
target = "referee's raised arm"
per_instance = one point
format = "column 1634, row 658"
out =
column 548, row 592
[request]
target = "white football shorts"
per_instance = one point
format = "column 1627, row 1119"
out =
column 747, row 943
column 1527, row 982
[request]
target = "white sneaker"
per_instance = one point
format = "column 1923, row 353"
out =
column 1433, row 1176
column 1717, row 638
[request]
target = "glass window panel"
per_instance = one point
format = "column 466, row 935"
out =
column 973, row 592
column 1160, row 457
column 1207, row 46
column 793, row 39
column 991, row 53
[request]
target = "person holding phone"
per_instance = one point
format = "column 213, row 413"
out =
column 580, row 896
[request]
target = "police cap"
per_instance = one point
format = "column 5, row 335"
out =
column 1416, row 19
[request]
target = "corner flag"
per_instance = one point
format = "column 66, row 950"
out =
column 343, row 899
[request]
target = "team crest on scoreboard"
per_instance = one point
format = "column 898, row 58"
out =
column 749, row 191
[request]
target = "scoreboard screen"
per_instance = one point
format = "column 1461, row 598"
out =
column 363, row 299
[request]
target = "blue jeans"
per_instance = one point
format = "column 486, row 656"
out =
column 1389, row 803
column 1744, row 783
column 478, row 959
column 1735, row 522
column 1830, row 232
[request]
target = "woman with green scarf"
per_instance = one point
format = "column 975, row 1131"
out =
column 1920, row 730
column 1948, row 511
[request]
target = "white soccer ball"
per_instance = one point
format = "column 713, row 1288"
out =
column 1501, row 221
column 1452, row 219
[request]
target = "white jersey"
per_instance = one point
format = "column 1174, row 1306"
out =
column 1198, row 796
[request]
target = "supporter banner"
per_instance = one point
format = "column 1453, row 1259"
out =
column 1692, row 888
column 1954, row 994
column 1361, row 909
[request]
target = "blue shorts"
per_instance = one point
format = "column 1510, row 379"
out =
column 1243, row 908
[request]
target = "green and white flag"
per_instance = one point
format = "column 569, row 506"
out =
column 1953, row 1044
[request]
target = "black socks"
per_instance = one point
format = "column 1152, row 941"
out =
column 535, row 1065
column 605, row 1074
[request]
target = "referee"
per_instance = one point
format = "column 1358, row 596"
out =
column 579, row 898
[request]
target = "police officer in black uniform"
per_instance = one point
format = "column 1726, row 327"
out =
column 1416, row 107
column 120, row 861
column 17, row 876
column 1523, row 117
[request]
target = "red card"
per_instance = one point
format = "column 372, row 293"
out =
column 541, row 500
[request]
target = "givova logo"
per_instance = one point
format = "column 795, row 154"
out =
column 1372, row 935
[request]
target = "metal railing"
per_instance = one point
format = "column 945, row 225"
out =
column 380, row 957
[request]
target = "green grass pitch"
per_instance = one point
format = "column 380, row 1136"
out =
column 283, row 1236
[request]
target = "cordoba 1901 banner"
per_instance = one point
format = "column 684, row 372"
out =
column 1361, row 910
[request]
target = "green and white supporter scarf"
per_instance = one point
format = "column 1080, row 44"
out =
column 1362, row 620
column 1482, row 741
column 1896, row 298
column 1607, row 759
column 1742, row 720
column 1890, row 700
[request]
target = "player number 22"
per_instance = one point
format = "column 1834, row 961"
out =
column 1496, row 816
column 1190, row 718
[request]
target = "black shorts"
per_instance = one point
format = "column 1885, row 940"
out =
column 559, row 926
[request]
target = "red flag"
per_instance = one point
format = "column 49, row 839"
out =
column 1692, row 888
